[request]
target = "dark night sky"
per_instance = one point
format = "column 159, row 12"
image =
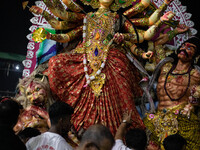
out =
column 14, row 26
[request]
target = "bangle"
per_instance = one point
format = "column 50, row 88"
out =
column 124, row 121
column 171, row 34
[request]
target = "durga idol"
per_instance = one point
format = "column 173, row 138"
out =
column 96, row 78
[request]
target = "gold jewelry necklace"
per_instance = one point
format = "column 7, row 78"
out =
column 97, row 15
column 96, row 50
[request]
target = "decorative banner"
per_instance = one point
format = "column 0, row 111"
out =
column 47, row 49
column 31, row 58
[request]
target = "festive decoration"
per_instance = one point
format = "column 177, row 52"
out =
column 97, row 78
column 39, row 35
column 175, row 6
column 31, row 59
column 47, row 49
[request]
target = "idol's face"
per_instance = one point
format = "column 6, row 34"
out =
column 186, row 51
column 36, row 94
column 105, row 3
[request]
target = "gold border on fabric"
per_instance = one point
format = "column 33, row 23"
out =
column 165, row 121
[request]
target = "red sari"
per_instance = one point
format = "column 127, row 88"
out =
column 67, row 78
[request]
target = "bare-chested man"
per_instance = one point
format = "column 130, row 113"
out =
column 178, row 91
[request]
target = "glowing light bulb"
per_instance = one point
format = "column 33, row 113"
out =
column 17, row 67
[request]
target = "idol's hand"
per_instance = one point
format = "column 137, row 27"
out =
column 181, row 28
column 162, row 39
column 118, row 38
column 147, row 55
column 48, row 36
column 167, row 16
column 36, row 10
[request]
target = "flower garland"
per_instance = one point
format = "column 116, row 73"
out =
column 87, row 76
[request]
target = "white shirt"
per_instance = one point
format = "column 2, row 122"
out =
column 119, row 145
column 48, row 141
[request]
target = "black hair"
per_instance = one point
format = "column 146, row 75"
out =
column 136, row 138
column 97, row 134
column 196, row 41
column 9, row 112
column 174, row 142
column 59, row 110
column 91, row 146
column 28, row 133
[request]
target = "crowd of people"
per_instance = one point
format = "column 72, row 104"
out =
column 96, row 137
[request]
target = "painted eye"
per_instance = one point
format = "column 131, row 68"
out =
column 189, row 48
column 37, row 89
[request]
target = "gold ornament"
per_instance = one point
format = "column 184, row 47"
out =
column 100, row 28
column 97, row 84
column 116, row 5
column 165, row 121
column 39, row 35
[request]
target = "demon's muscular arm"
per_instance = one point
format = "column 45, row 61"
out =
column 194, row 98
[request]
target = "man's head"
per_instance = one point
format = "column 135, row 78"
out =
column 9, row 112
column 97, row 137
column 189, row 49
column 28, row 133
column 60, row 116
column 174, row 142
column 136, row 139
